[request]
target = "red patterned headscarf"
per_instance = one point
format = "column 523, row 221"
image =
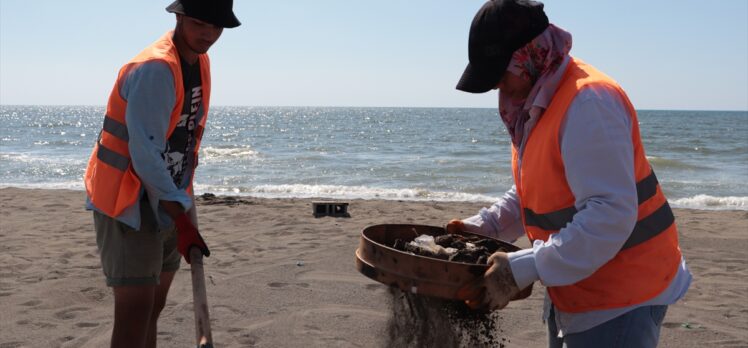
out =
column 537, row 62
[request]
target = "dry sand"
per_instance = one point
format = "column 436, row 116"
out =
column 278, row 277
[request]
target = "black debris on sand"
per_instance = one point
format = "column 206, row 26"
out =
column 211, row 199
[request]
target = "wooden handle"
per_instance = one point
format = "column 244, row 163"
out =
column 203, row 335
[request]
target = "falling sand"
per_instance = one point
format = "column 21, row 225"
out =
column 421, row 321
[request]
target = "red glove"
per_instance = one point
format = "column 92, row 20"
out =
column 455, row 226
column 188, row 237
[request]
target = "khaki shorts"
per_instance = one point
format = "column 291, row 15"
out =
column 130, row 257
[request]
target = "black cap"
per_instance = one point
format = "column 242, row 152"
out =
column 499, row 28
column 216, row 12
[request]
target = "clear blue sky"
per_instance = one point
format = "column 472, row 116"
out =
column 668, row 54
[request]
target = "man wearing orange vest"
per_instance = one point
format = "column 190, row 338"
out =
column 604, row 240
column 139, row 177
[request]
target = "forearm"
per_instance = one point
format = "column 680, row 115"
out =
column 502, row 220
column 154, row 175
column 174, row 209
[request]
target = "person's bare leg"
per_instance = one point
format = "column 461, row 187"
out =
column 132, row 314
column 162, row 290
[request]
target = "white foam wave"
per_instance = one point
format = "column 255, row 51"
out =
column 670, row 163
column 219, row 153
column 344, row 192
column 706, row 202
column 49, row 159
column 700, row 202
column 17, row 157
column 76, row 185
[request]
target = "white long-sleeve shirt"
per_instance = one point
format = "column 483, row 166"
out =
column 597, row 151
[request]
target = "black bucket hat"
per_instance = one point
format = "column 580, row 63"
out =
column 216, row 12
column 499, row 28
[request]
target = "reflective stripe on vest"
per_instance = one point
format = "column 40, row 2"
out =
column 107, row 155
column 644, row 229
column 112, row 158
column 116, row 128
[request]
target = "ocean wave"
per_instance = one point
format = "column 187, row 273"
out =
column 706, row 202
column 222, row 153
column 699, row 202
column 17, row 157
column 660, row 162
column 48, row 159
column 344, row 192
column 76, row 185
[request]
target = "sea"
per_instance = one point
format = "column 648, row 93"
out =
column 411, row 154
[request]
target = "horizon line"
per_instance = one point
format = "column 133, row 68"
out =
column 373, row 107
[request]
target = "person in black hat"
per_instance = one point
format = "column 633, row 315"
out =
column 604, row 240
column 139, row 178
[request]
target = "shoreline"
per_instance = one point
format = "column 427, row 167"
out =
column 278, row 276
column 674, row 203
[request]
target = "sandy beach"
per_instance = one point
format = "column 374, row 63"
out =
column 279, row 277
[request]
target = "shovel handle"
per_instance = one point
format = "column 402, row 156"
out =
column 203, row 334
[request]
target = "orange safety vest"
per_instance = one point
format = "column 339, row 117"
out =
column 111, row 182
column 648, row 261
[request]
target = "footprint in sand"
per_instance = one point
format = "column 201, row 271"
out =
column 312, row 328
column 69, row 313
column 54, row 207
column 283, row 285
column 43, row 325
column 166, row 336
column 32, row 303
column 229, row 309
column 38, row 325
column 248, row 340
column 87, row 325
column 93, row 294
column 33, row 279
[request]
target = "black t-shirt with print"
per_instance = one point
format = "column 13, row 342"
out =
column 180, row 146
